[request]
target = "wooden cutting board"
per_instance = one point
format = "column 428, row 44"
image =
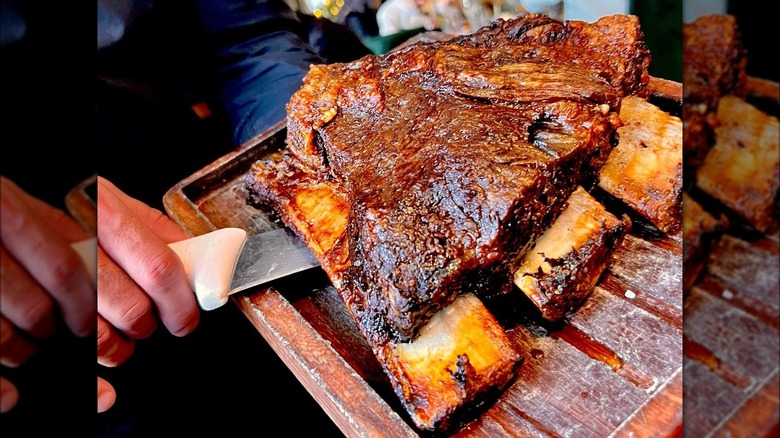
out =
column 614, row 369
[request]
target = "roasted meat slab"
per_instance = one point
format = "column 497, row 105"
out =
column 461, row 358
column 455, row 156
column 440, row 165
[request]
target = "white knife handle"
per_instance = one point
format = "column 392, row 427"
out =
column 87, row 250
column 209, row 261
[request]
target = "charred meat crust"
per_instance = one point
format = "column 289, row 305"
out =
column 714, row 60
column 454, row 156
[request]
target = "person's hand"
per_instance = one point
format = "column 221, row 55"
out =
column 140, row 279
column 43, row 277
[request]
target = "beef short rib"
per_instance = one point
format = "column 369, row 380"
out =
column 454, row 156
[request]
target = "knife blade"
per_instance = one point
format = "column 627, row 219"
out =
column 228, row 260
column 225, row 261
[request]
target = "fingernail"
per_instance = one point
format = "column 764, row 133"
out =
column 82, row 321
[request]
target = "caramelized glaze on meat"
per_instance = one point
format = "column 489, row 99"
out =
column 454, row 156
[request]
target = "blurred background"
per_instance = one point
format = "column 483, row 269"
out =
column 382, row 25
column 754, row 23
column 730, row 322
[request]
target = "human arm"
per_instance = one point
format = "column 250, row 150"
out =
column 260, row 57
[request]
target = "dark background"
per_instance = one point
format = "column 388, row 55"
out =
column 661, row 22
column 47, row 147
column 758, row 27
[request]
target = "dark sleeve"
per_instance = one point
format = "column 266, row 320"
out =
column 115, row 16
column 260, row 59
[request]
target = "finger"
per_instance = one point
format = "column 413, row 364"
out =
column 50, row 261
column 23, row 301
column 147, row 260
column 159, row 223
column 121, row 302
column 14, row 348
column 9, row 395
column 57, row 219
column 112, row 348
column 106, row 395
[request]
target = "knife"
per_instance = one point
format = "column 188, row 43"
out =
column 228, row 260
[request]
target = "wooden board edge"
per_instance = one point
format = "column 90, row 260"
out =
column 182, row 211
column 348, row 400
column 758, row 415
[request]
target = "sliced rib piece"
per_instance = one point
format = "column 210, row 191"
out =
column 461, row 359
column 564, row 265
column 645, row 169
column 742, row 169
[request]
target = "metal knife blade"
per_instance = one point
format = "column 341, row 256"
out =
column 269, row 256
